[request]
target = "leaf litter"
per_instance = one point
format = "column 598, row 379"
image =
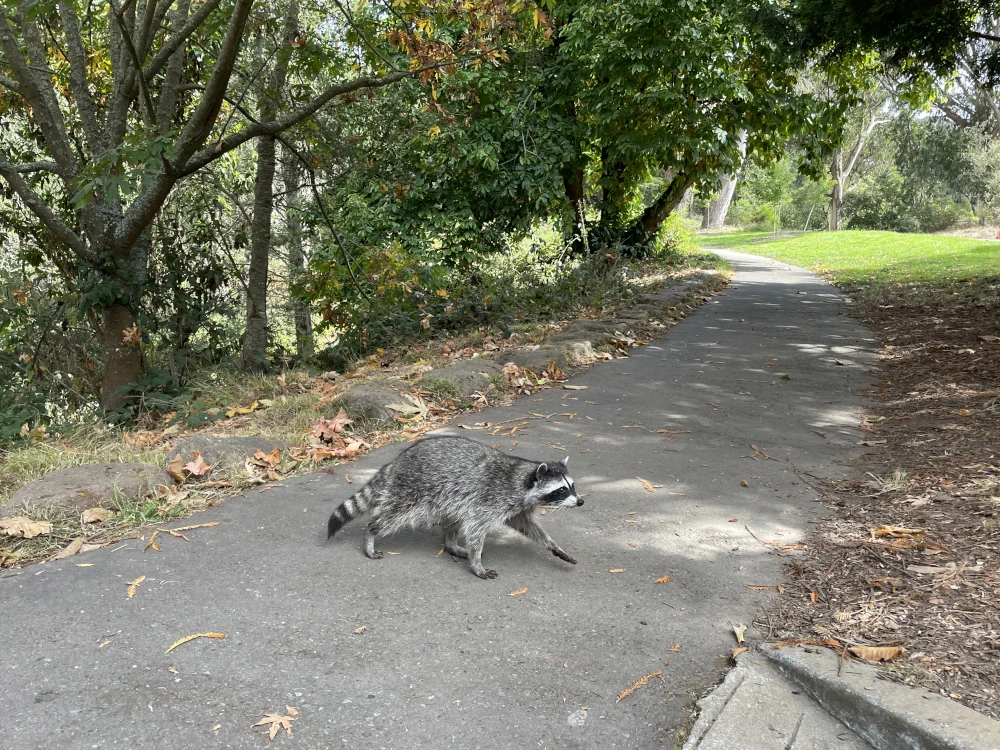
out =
column 189, row 638
column 275, row 722
column 640, row 683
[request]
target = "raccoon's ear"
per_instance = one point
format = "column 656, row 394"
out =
column 565, row 461
column 541, row 471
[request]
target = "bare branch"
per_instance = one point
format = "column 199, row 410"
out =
column 147, row 100
column 10, row 83
column 178, row 38
column 78, row 75
column 37, row 166
column 45, row 214
column 172, row 76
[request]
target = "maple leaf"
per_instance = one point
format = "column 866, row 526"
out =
column 278, row 722
column 197, row 466
column 131, row 336
column 24, row 527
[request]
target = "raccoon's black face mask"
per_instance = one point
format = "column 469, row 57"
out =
column 552, row 485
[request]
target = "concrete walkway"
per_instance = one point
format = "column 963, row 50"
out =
column 446, row 659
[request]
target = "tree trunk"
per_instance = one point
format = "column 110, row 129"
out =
column 304, row 345
column 837, row 194
column 574, row 187
column 719, row 208
column 612, row 197
column 122, row 360
column 647, row 225
column 254, row 355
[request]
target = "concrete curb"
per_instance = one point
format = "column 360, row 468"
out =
column 888, row 715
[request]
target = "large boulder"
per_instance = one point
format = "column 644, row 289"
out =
column 465, row 376
column 368, row 404
column 225, row 454
column 537, row 358
column 81, row 487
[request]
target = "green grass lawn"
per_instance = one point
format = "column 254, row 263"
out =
column 855, row 259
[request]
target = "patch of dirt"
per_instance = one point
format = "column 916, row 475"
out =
column 933, row 584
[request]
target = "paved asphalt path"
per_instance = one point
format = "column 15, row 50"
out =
column 448, row 660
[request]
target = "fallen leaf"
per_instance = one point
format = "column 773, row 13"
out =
column 239, row 410
column 359, row 631
column 175, row 468
column 575, row 387
column 781, row 589
column 649, row 487
column 196, row 526
column 187, row 638
column 665, row 579
column 733, row 520
column 440, row 552
column 131, row 336
column 152, row 542
column 134, row 586
column 416, row 407
column 172, row 670
column 95, row 515
column 743, row 483
column 347, row 479
column 518, row 592
column 85, row 565
column 70, row 549
column 740, row 650
column 641, row 682
column 676, row 649
column 24, row 527
column 740, row 630
column 814, row 597
column 277, row 722
column 898, row 531
column 197, row 466
column 757, row 588
column 877, row 653
column 272, row 459
column 618, row 570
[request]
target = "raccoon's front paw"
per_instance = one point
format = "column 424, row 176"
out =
column 486, row 574
column 563, row 556
column 374, row 555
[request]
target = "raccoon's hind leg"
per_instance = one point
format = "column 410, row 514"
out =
column 373, row 530
column 474, row 541
column 451, row 541
column 526, row 524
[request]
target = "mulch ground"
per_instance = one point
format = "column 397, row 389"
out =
column 908, row 553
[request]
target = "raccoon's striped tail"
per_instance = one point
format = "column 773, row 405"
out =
column 357, row 505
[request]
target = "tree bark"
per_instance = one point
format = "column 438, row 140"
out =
column 291, row 171
column 837, row 194
column 647, row 225
column 254, row 354
column 718, row 209
column 122, row 361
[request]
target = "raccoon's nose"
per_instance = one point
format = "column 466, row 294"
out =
column 579, row 502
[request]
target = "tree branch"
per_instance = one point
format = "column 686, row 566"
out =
column 147, row 100
column 10, row 83
column 173, row 43
column 78, row 76
column 37, row 166
column 45, row 214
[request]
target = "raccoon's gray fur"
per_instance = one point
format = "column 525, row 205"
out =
column 469, row 489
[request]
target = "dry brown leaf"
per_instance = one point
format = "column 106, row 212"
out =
column 440, row 552
column 105, row 643
column 172, row 670
column 641, row 682
column 665, row 579
column 814, row 597
column 781, row 589
column 649, row 487
column 676, row 649
column 740, row 631
column 175, row 468
column 752, row 587
column 134, row 586
column 271, row 460
column 277, row 722
column 898, row 531
column 240, row 410
column 24, row 527
column 70, row 549
column 152, row 542
column 575, row 387
column 95, row 515
column 518, row 592
column 347, row 478
column 877, row 653
column 744, row 483
column 196, row 526
column 618, row 570
column 359, row 631
column 740, row 650
column 197, row 466
column 187, row 638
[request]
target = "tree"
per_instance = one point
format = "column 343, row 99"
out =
column 112, row 119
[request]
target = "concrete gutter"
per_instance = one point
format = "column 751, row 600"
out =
column 888, row 715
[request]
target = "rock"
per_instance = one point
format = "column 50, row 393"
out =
column 225, row 454
column 367, row 404
column 578, row 350
column 537, row 359
column 81, row 487
column 465, row 376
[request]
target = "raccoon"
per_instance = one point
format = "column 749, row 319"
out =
column 467, row 488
